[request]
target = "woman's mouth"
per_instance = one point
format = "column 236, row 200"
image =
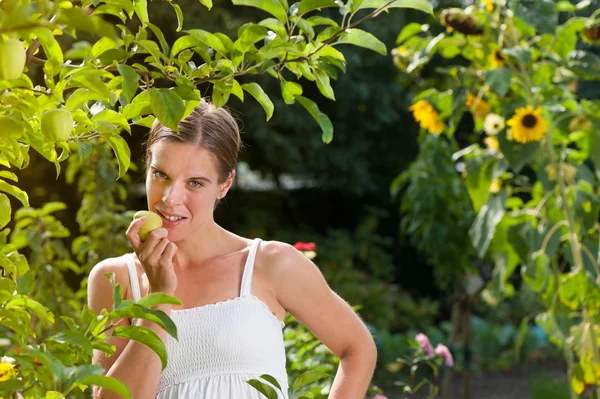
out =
column 170, row 221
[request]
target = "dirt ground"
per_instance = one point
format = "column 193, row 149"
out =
column 507, row 384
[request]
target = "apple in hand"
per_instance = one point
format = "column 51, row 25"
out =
column 12, row 59
column 57, row 124
column 153, row 222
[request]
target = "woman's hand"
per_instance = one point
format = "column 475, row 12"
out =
column 156, row 255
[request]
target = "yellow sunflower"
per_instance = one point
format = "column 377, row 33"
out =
column 491, row 142
column 497, row 59
column 527, row 125
column 591, row 34
column 489, row 5
column 7, row 371
column 479, row 106
column 427, row 116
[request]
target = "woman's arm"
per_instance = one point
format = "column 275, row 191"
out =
column 135, row 364
column 302, row 291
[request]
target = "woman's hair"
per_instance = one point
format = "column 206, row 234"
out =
column 207, row 126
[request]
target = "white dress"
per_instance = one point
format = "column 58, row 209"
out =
column 221, row 346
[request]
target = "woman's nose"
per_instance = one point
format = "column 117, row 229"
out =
column 173, row 195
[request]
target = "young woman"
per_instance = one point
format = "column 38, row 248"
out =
column 234, row 291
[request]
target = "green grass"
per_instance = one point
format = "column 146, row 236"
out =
column 545, row 387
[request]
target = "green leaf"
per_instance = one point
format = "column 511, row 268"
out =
column 75, row 337
column 158, row 298
column 84, row 149
column 364, row 39
column 572, row 288
column 136, row 311
column 536, row 272
column 130, row 81
column 54, row 395
column 221, row 93
column 168, row 107
column 308, row 377
column 122, row 152
column 323, row 83
column 209, row 39
column 160, row 36
column 565, row 5
column 271, row 380
column 520, row 53
column 151, row 47
column 141, row 10
column 15, row 192
column 258, row 93
column 50, row 45
column 144, row 336
column 311, row 5
column 518, row 155
column 289, row 91
column 321, row 118
column 547, row 321
column 409, row 31
column 23, row 301
column 273, row 7
column 78, row 18
column 184, row 42
column 9, row 175
column 576, row 377
column 207, row 3
column 263, row 388
column 81, row 96
column 107, row 382
column 179, row 14
column 421, row 5
column 483, row 228
column 585, row 63
column 249, row 34
column 52, row 207
column 499, row 80
column 113, row 117
column 5, row 210
column 305, row 394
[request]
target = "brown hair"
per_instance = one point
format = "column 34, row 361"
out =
column 207, row 126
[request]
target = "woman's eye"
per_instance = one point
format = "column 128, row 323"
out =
column 195, row 183
column 160, row 174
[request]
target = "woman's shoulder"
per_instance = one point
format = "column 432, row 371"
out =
column 277, row 255
column 116, row 265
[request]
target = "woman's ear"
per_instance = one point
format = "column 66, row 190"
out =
column 227, row 185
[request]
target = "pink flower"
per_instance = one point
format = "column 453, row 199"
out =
column 305, row 246
column 378, row 396
column 424, row 343
column 444, row 352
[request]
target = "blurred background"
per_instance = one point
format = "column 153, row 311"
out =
column 294, row 188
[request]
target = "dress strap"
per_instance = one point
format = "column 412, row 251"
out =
column 133, row 278
column 249, row 268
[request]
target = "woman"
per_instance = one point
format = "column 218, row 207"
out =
column 234, row 291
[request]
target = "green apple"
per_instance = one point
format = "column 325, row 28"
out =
column 12, row 59
column 57, row 124
column 153, row 222
column 11, row 127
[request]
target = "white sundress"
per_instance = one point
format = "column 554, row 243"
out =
column 221, row 346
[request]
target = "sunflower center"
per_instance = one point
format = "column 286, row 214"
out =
column 529, row 120
column 499, row 56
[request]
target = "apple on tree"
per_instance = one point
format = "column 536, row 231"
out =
column 12, row 59
column 57, row 125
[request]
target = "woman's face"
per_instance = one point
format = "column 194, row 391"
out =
column 182, row 184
